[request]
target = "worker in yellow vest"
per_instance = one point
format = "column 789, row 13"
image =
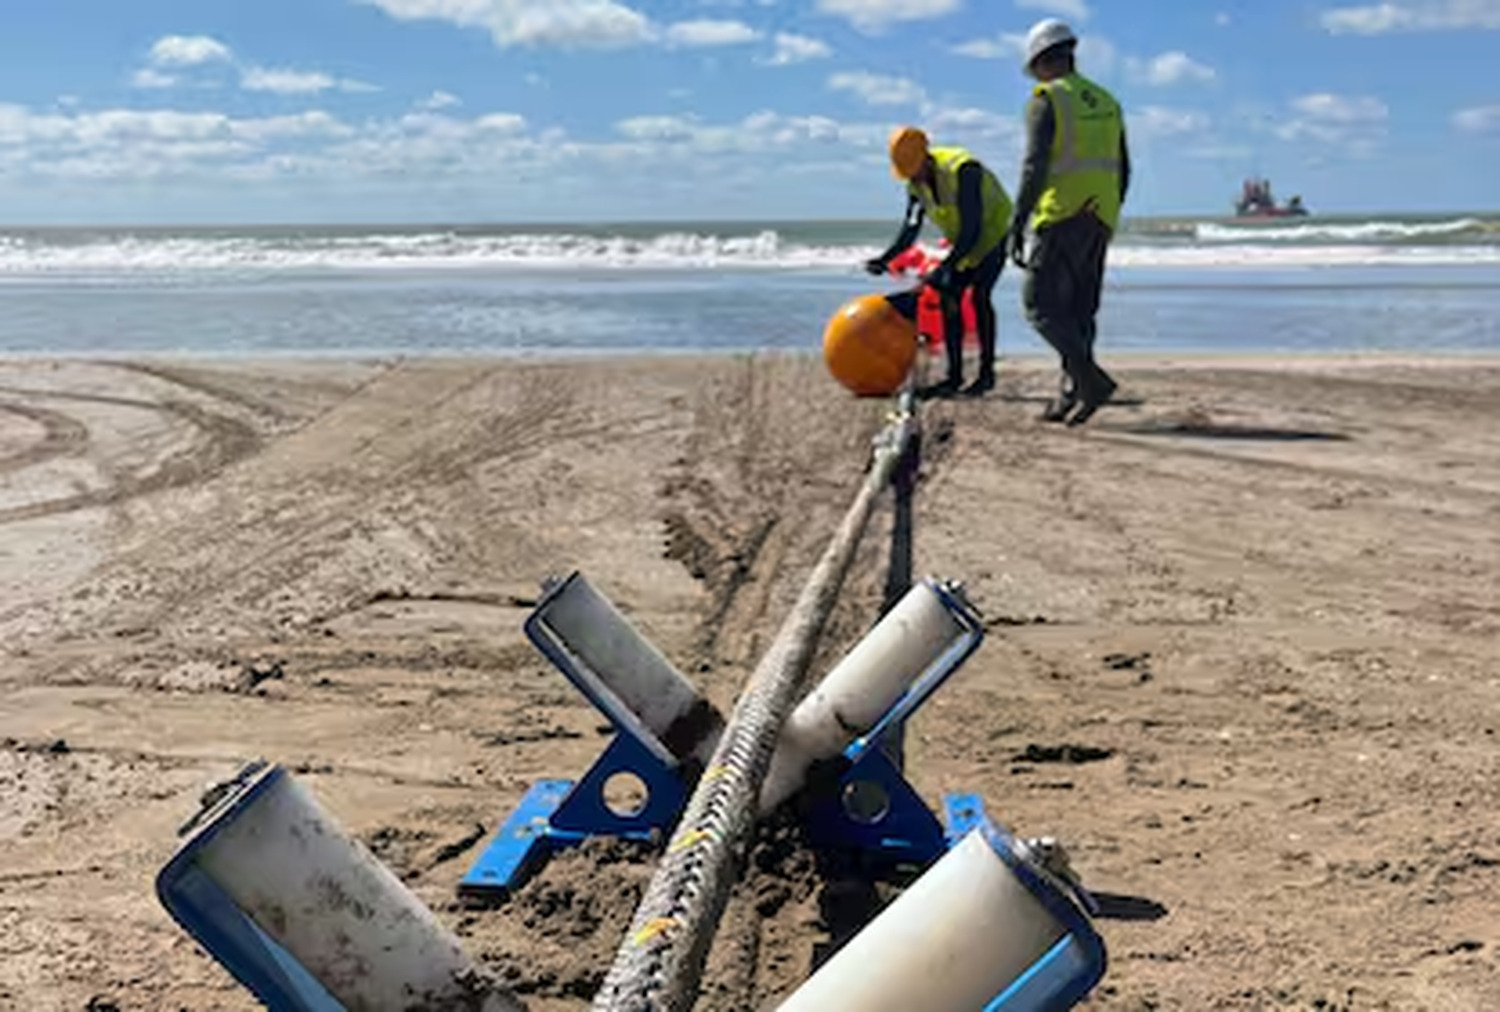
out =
column 970, row 206
column 1073, row 183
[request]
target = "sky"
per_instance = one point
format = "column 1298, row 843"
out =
column 231, row 111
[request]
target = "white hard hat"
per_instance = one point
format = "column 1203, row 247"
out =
column 1046, row 34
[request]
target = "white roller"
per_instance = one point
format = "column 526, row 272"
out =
column 953, row 942
column 629, row 668
column 338, row 911
column 861, row 689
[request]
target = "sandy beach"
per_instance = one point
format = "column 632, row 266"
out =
column 1259, row 598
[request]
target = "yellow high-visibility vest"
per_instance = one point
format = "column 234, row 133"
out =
column 1084, row 170
column 941, row 203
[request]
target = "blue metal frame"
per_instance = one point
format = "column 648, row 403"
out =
column 559, row 813
column 905, row 833
column 197, row 903
column 962, row 814
column 908, row 832
column 555, row 814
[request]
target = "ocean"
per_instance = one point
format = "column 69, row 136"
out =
column 1338, row 284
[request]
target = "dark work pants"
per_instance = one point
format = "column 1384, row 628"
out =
column 1064, row 283
column 980, row 280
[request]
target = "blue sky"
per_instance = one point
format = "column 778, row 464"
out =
column 553, row 110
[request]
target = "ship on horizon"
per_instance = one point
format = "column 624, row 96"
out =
column 1257, row 201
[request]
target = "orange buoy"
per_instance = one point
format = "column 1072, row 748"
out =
column 869, row 346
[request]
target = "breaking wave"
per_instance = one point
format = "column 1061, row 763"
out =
column 140, row 255
column 1383, row 232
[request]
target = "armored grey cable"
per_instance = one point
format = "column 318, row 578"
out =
column 659, row 965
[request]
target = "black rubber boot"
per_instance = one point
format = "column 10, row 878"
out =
column 985, row 381
column 1066, row 400
column 1057, row 409
column 946, row 388
column 983, row 384
column 1098, row 394
column 955, row 348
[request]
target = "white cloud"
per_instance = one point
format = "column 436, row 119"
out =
column 569, row 24
column 972, row 124
column 296, row 82
column 1354, row 122
column 658, row 128
column 314, row 123
column 1161, row 121
column 1341, row 109
column 758, row 132
column 440, row 100
column 1418, row 16
column 798, row 49
column 1008, row 45
column 878, row 89
column 1097, row 56
column 1171, row 68
column 1074, row 10
column 876, row 15
column 1478, row 120
column 561, row 23
column 275, row 158
column 188, row 51
column 961, row 124
column 502, row 123
column 150, row 144
column 1222, row 19
column 284, row 82
column 150, row 78
column 710, row 33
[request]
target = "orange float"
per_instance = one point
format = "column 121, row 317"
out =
column 869, row 346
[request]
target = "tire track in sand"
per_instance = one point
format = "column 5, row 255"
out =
column 295, row 548
column 62, row 436
column 192, row 379
column 224, row 440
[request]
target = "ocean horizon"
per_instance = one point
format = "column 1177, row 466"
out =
column 1409, row 283
column 1127, row 218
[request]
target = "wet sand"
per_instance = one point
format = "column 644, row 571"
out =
column 1260, row 597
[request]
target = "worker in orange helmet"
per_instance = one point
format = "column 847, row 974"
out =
column 972, row 209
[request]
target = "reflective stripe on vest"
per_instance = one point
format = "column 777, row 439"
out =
column 941, row 203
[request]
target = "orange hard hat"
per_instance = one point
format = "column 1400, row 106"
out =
column 869, row 346
column 908, row 152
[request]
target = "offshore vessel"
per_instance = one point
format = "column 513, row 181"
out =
column 1257, row 201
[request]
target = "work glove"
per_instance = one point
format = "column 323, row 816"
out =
column 1016, row 242
column 878, row 266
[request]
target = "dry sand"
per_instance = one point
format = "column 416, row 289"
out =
column 1262, row 600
